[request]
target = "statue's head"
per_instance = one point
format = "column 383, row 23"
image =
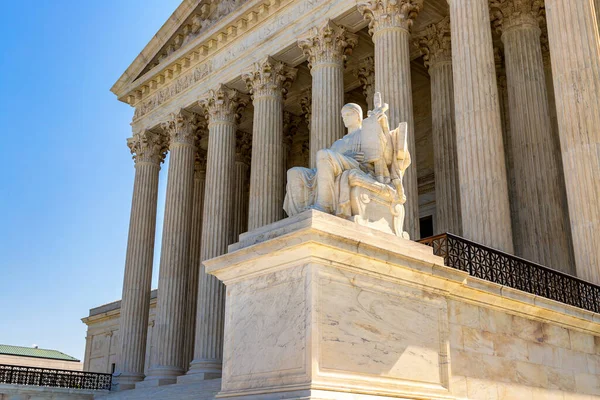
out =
column 352, row 114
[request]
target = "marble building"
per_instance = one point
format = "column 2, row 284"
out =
column 502, row 104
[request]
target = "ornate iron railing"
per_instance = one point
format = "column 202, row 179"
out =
column 15, row 375
column 505, row 269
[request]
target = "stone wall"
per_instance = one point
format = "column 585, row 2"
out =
column 496, row 355
column 103, row 342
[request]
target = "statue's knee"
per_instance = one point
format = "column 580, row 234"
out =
column 293, row 174
column 323, row 156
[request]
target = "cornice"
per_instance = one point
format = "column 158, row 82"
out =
column 185, row 66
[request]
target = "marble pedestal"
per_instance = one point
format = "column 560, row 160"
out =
column 320, row 307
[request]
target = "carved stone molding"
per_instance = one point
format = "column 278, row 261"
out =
column 329, row 44
column 208, row 14
column 243, row 147
column 509, row 14
column 149, row 147
column 434, row 41
column 386, row 14
column 366, row 76
column 269, row 77
column 182, row 128
column 224, row 105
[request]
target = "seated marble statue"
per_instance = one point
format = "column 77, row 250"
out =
column 360, row 176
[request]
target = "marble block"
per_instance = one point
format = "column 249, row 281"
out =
column 320, row 307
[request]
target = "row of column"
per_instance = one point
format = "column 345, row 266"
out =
column 468, row 130
column 469, row 146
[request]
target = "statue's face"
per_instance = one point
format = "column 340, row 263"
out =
column 351, row 119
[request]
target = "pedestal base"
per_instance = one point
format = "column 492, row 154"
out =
column 123, row 381
column 317, row 308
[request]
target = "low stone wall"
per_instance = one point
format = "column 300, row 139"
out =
column 23, row 392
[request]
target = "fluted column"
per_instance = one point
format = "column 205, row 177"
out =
column 575, row 47
column 243, row 157
column 366, row 75
column 326, row 48
column 169, row 357
column 223, row 107
column 436, row 46
column 195, row 247
column 542, row 229
column 505, row 123
column 148, row 149
column 389, row 23
column 485, row 209
column 268, row 82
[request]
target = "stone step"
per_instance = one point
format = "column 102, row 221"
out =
column 204, row 390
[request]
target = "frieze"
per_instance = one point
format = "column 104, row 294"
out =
column 180, row 84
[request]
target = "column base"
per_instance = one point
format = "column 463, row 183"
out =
column 202, row 370
column 126, row 381
column 160, row 376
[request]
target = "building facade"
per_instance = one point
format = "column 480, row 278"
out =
column 502, row 100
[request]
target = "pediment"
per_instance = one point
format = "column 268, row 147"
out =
column 190, row 20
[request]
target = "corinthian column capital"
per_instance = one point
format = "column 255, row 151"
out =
column 200, row 164
column 328, row 44
column 243, row 147
column 269, row 77
column 508, row 14
column 223, row 105
column 366, row 76
column 182, row 127
column 148, row 147
column 434, row 41
column 386, row 14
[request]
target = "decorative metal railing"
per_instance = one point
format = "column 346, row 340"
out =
column 15, row 375
column 505, row 269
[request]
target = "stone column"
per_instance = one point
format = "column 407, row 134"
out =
column 243, row 158
column 268, row 81
column 435, row 44
column 575, row 48
column 538, row 189
column 326, row 48
column 175, row 251
column 366, row 75
column 485, row 209
column 389, row 23
column 223, row 107
column 149, row 150
column 505, row 123
column 195, row 247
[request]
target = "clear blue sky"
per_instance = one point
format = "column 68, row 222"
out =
column 67, row 176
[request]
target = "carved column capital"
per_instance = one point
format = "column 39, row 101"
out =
column 500, row 70
column 434, row 41
column 148, row 147
column 328, row 44
column 243, row 147
column 269, row 77
column 224, row 105
column 181, row 128
column 200, row 164
column 291, row 123
column 306, row 105
column 366, row 76
column 386, row 14
column 510, row 14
